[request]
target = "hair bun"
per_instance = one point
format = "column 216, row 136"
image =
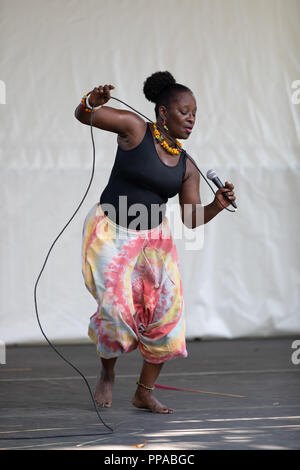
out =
column 155, row 84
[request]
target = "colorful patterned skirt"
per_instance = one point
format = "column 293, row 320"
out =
column 134, row 277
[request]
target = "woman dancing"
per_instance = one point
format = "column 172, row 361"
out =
column 129, row 263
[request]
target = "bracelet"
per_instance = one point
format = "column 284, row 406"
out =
column 89, row 106
column 85, row 104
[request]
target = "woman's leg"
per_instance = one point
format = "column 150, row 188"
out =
column 143, row 397
column 103, row 393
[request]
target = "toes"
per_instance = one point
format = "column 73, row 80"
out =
column 164, row 410
column 104, row 404
column 167, row 411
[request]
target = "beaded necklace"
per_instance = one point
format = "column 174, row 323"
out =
column 164, row 144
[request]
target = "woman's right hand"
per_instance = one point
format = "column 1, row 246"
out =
column 101, row 95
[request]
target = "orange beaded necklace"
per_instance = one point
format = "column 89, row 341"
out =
column 164, row 144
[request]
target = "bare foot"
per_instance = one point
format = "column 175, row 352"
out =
column 145, row 399
column 103, row 393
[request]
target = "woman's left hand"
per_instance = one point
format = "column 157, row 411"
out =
column 228, row 190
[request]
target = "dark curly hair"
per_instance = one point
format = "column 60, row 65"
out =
column 161, row 87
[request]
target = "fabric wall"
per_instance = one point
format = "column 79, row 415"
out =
column 240, row 272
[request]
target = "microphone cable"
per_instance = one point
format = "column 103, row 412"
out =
column 37, row 281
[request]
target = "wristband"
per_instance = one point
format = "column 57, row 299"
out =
column 89, row 106
column 85, row 104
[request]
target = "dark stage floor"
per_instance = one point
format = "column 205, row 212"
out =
column 43, row 398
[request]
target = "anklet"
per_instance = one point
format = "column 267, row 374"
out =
column 145, row 386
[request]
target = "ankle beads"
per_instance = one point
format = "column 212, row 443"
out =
column 145, row 386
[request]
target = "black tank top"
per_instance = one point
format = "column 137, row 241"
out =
column 140, row 177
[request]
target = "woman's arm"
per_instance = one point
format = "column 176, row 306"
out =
column 107, row 118
column 193, row 213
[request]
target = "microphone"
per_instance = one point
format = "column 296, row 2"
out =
column 212, row 175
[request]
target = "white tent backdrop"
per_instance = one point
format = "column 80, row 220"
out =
column 241, row 59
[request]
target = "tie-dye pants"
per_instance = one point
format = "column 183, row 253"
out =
column 134, row 277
